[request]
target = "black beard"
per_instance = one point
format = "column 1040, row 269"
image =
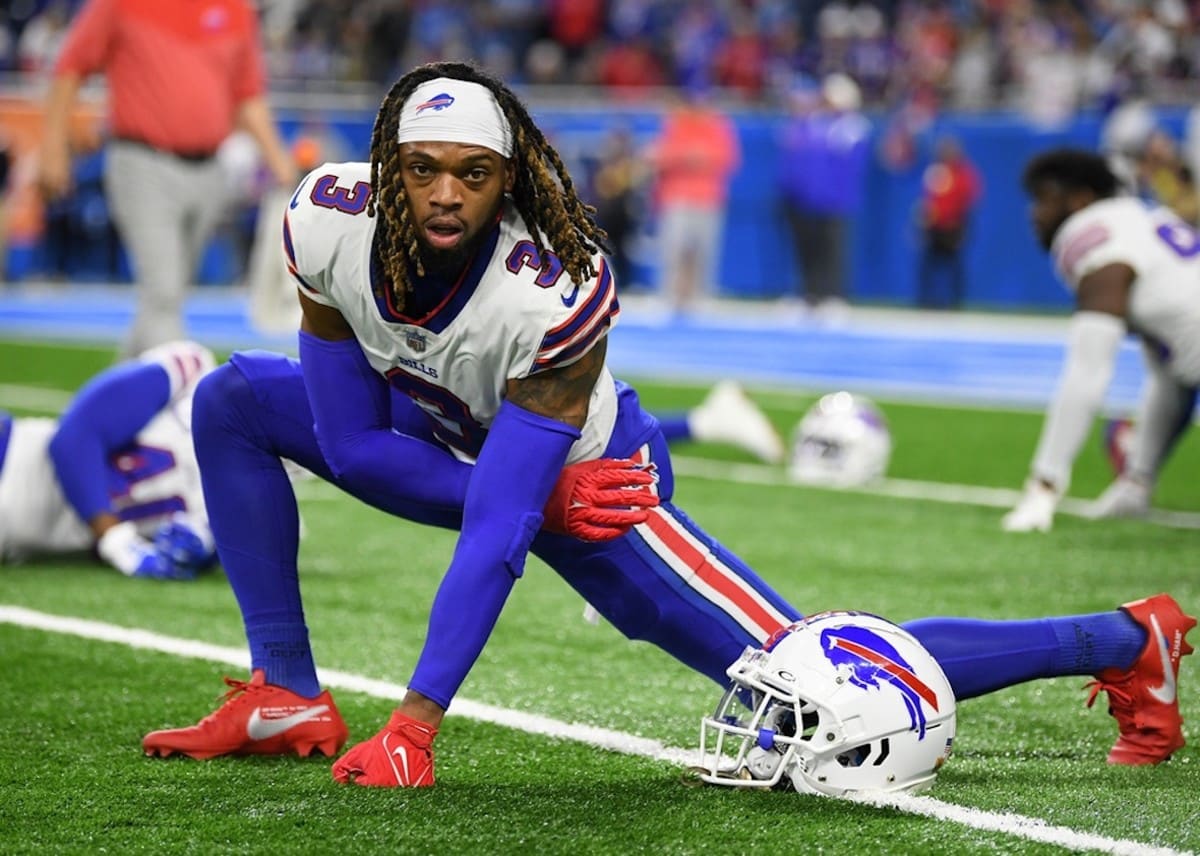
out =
column 444, row 263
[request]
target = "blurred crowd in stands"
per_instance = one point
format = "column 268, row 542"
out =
column 852, row 83
column 1047, row 57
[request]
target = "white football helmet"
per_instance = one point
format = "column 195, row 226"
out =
column 834, row 703
column 842, row 441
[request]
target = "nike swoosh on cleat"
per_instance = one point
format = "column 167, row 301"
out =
column 1166, row 692
column 258, row 728
column 402, row 753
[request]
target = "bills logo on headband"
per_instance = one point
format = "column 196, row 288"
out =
column 873, row 662
column 438, row 102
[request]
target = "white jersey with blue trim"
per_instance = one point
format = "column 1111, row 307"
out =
column 504, row 319
column 1164, row 253
column 148, row 480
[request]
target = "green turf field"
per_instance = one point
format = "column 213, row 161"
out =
column 74, row 709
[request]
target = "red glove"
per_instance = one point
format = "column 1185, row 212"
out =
column 399, row 756
column 600, row 500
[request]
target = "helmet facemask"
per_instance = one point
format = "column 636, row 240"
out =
column 842, row 441
column 795, row 717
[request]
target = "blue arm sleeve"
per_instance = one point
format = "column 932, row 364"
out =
column 352, row 408
column 105, row 415
column 520, row 461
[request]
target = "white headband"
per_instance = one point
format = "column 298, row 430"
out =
column 444, row 110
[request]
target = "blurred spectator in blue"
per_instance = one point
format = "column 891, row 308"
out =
column 950, row 190
column 81, row 239
column 825, row 149
column 694, row 158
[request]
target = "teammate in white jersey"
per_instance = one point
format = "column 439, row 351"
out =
column 454, row 297
column 1133, row 267
column 116, row 473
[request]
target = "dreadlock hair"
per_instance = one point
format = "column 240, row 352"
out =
column 1072, row 169
column 551, row 209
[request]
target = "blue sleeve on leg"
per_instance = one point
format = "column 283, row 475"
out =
column 675, row 427
column 521, row 459
column 105, row 415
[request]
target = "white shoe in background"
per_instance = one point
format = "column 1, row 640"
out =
column 727, row 416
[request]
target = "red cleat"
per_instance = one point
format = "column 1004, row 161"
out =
column 399, row 756
column 1144, row 700
column 257, row 718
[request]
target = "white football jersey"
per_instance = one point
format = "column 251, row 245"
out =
column 148, row 480
column 1164, row 252
column 505, row 319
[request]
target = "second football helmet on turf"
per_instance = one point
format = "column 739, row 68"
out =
column 842, row 441
column 835, row 703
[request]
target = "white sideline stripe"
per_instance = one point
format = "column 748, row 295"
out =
column 53, row 401
column 1017, row 825
column 38, row 398
column 954, row 494
column 239, row 658
column 1013, row 824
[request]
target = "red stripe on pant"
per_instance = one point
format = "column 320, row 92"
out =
column 725, row 584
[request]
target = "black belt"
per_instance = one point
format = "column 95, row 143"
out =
column 6, row 423
column 190, row 157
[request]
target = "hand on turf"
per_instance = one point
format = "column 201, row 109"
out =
column 187, row 541
column 131, row 554
column 1125, row 497
column 1035, row 511
column 399, row 756
column 600, row 500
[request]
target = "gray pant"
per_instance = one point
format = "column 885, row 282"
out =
column 165, row 209
column 690, row 242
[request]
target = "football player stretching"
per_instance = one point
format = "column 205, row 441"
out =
column 1133, row 267
column 116, row 473
column 460, row 268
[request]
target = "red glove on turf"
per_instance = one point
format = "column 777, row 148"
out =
column 399, row 756
column 600, row 500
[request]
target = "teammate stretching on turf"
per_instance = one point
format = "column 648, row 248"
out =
column 460, row 267
column 116, row 473
column 1133, row 267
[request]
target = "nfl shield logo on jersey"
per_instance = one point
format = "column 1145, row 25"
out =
column 415, row 340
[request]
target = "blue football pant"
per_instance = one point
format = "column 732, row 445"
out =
column 665, row 582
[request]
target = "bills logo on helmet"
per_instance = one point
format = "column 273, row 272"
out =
column 438, row 102
column 873, row 662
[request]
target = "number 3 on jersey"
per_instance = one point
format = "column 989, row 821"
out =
column 1181, row 238
column 452, row 421
column 327, row 193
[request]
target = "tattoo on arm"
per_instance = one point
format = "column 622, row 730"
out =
column 564, row 393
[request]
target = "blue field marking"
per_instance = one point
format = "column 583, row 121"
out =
column 896, row 355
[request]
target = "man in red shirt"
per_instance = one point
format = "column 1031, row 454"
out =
column 951, row 188
column 695, row 155
column 181, row 75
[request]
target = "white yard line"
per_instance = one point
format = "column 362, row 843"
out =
column 1032, row 829
column 954, row 494
column 52, row 401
